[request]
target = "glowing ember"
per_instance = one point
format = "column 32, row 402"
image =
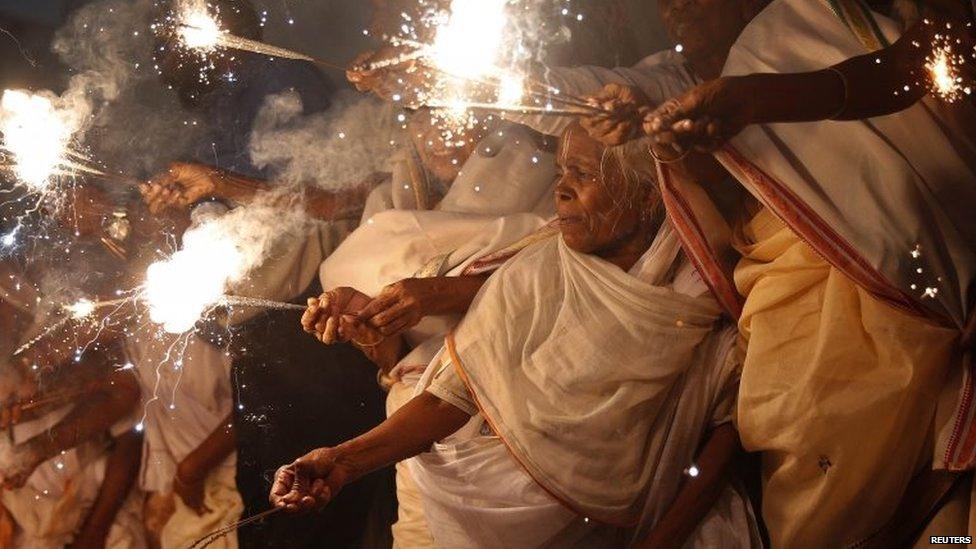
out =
column 37, row 136
column 469, row 42
column 511, row 90
column 83, row 308
column 943, row 66
column 197, row 28
column 181, row 289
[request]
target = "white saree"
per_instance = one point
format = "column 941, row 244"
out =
column 594, row 389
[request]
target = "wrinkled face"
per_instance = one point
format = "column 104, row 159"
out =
column 706, row 28
column 595, row 212
column 443, row 159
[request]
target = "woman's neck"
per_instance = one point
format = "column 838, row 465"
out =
column 625, row 252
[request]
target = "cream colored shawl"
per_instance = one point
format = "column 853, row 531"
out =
column 574, row 363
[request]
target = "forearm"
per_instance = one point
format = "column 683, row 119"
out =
column 454, row 294
column 210, row 453
column 408, row 432
column 120, row 474
column 319, row 203
column 699, row 493
column 861, row 87
column 90, row 418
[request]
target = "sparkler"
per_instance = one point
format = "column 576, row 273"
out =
column 944, row 67
column 181, row 289
column 200, row 31
column 38, row 142
column 38, row 137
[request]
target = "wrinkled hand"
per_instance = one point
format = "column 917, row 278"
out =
column 323, row 315
column 390, row 80
column 703, row 119
column 625, row 108
column 180, row 187
column 311, row 481
column 400, row 306
column 192, row 490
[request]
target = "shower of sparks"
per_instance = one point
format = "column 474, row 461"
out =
column 511, row 90
column 470, row 37
column 199, row 30
column 82, row 308
column 37, row 139
column 180, row 290
column 943, row 65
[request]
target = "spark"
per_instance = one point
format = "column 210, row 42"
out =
column 181, row 289
column 38, row 135
column 944, row 67
column 511, row 90
column 81, row 308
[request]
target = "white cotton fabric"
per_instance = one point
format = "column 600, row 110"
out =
column 587, row 373
column 53, row 504
column 399, row 244
column 186, row 393
column 886, row 185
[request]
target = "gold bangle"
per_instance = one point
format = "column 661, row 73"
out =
column 368, row 345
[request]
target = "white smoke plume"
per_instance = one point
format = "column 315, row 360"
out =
column 332, row 149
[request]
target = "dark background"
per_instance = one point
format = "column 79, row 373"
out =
column 330, row 29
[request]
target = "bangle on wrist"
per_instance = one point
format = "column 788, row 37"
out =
column 843, row 80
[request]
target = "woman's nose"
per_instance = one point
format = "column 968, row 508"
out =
column 564, row 192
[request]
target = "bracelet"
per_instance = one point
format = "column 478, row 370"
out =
column 667, row 161
column 843, row 80
column 368, row 345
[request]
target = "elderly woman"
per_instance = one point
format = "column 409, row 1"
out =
column 595, row 355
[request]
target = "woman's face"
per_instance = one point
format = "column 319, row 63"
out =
column 595, row 212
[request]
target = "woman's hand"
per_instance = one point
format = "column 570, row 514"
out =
column 191, row 488
column 625, row 108
column 321, row 318
column 704, row 118
column 311, row 481
column 182, row 185
column 401, row 306
column 390, row 80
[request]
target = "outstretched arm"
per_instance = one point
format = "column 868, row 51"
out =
column 192, row 472
column 314, row 479
column 187, row 183
column 866, row 86
column 120, row 474
column 699, row 493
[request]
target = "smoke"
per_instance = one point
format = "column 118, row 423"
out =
column 135, row 124
column 331, row 149
column 219, row 252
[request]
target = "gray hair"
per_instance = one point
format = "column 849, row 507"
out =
column 635, row 164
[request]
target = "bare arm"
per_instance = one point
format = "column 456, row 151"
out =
column 187, row 183
column 314, row 479
column 120, row 474
column 92, row 416
column 699, row 493
column 192, row 472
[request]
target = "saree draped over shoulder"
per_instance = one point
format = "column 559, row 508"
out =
column 581, row 373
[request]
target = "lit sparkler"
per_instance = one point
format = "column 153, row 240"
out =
column 38, row 137
column 181, row 289
column 943, row 65
column 199, row 31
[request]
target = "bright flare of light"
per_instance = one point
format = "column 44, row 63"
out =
column 181, row 289
column 197, row 28
column 36, row 134
column 511, row 90
column 469, row 42
column 82, row 308
column 942, row 65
